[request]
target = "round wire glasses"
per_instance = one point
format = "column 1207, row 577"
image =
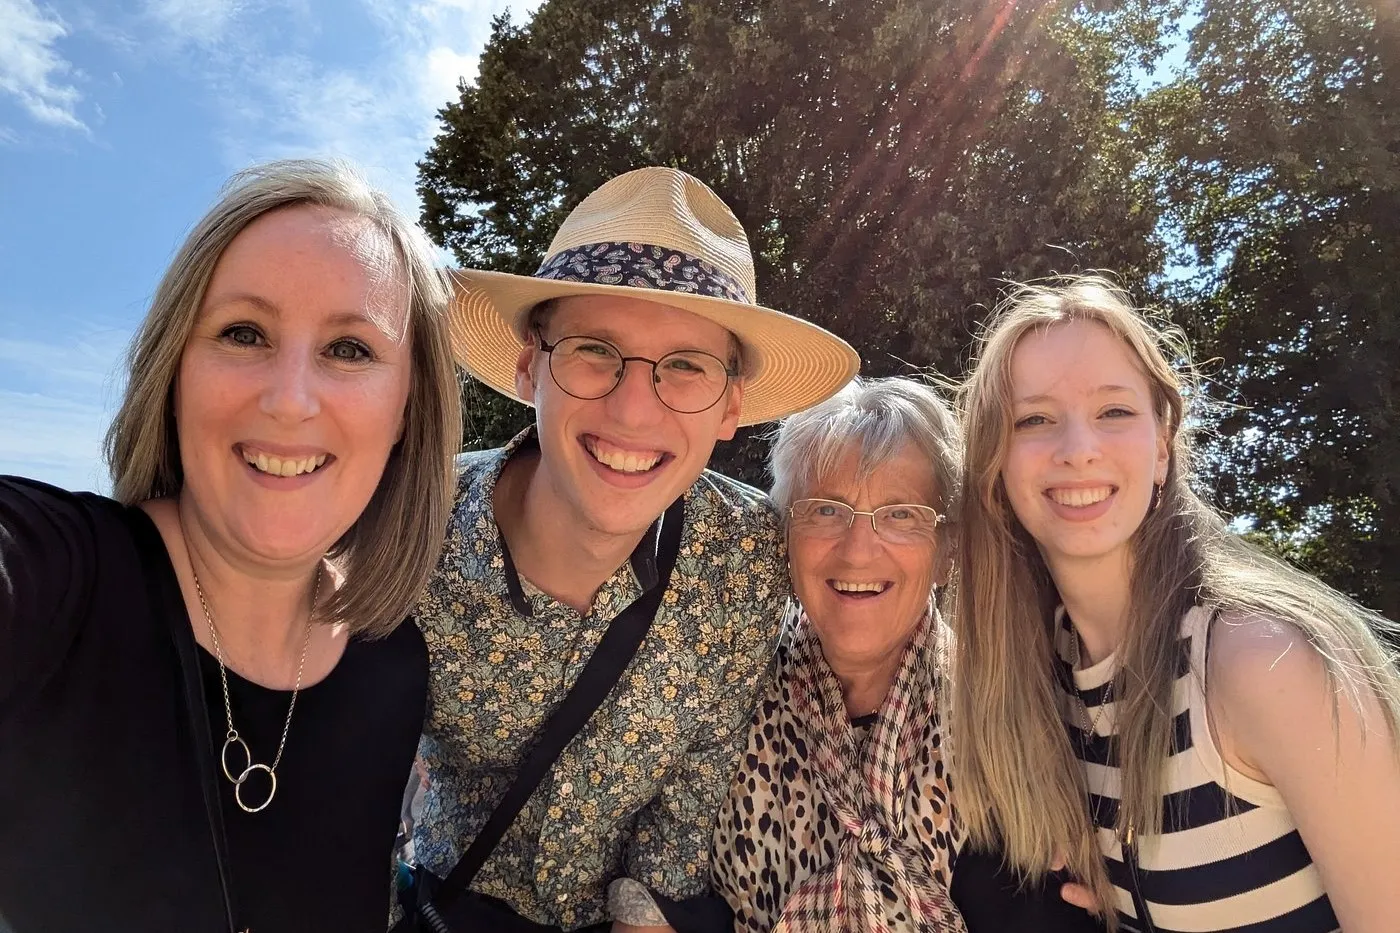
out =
column 686, row 381
column 903, row 523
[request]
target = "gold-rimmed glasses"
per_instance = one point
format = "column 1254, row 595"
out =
column 901, row 523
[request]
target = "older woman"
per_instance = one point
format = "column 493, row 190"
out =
column 841, row 818
column 208, row 702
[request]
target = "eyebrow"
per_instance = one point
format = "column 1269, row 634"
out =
column 908, row 500
column 1101, row 390
column 339, row 318
column 616, row 339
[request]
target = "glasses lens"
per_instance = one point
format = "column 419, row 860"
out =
column 821, row 518
column 585, row 367
column 689, row 381
column 906, row 524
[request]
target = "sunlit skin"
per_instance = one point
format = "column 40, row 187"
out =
column 568, row 492
column 1086, row 447
column 1084, row 424
column 300, row 352
column 863, row 634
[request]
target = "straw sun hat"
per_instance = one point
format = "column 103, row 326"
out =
column 660, row 235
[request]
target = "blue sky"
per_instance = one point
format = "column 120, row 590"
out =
column 118, row 123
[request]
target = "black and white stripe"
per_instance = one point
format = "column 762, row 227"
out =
column 1229, row 858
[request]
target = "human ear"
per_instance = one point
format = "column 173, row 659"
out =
column 733, row 405
column 525, row 383
column 1164, row 457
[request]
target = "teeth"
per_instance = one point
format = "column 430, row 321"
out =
column 1079, row 498
column 845, row 587
column 624, row 461
column 276, row 466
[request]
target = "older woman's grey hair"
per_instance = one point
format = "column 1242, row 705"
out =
column 877, row 417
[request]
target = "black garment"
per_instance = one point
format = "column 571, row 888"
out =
column 991, row 899
column 102, row 821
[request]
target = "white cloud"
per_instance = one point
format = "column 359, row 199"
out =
column 202, row 22
column 78, row 367
column 31, row 70
column 443, row 69
column 379, row 112
column 57, row 397
column 55, row 440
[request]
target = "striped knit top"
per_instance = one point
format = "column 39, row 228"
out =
column 1229, row 857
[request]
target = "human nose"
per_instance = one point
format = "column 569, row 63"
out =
column 292, row 391
column 1078, row 443
column 860, row 540
column 634, row 400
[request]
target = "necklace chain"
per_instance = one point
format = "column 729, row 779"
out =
column 1107, row 698
column 1098, row 710
column 232, row 738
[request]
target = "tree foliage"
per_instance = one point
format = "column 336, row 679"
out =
column 891, row 160
column 1279, row 156
column 895, row 160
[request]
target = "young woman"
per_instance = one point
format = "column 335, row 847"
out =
column 1232, row 723
column 208, row 703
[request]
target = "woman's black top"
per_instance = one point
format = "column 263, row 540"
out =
column 103, row 824
column 992, row 898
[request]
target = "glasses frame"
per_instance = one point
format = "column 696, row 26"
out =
column 730, row 372
column 938, row 517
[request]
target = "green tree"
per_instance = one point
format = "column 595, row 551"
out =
column 1280, row 156
column 891, row 159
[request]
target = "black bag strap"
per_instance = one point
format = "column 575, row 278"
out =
column 615, row 650
column 196, row 702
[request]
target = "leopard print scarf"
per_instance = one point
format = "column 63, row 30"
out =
column 887, row 872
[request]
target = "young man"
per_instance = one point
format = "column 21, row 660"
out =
column 640, row 345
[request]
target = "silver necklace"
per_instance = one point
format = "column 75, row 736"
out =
column 232, row 738
column 1092, row 721
column 1098, row 715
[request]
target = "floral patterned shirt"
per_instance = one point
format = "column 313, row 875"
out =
column 635, row 794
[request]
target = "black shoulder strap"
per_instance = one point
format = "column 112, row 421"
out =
column 615, row 650
column 196, row 703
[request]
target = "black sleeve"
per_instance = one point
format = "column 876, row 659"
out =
column 46, row 565
column 706, row 913
column 991, row 899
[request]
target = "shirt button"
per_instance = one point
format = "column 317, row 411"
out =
column 566, row 788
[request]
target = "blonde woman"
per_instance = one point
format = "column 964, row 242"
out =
column 209, row 699
column 1233, row 722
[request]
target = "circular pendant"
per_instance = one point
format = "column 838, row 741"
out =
column 239, row 785
column 234, row 740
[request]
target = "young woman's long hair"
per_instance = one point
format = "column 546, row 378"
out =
column 1018, row 779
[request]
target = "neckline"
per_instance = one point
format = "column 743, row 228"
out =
column 642, row 562
column 1085, row 678
column 207, row 659
column 169, row 583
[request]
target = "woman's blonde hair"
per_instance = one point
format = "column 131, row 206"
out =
column 1019, row 781
column 387, row 554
